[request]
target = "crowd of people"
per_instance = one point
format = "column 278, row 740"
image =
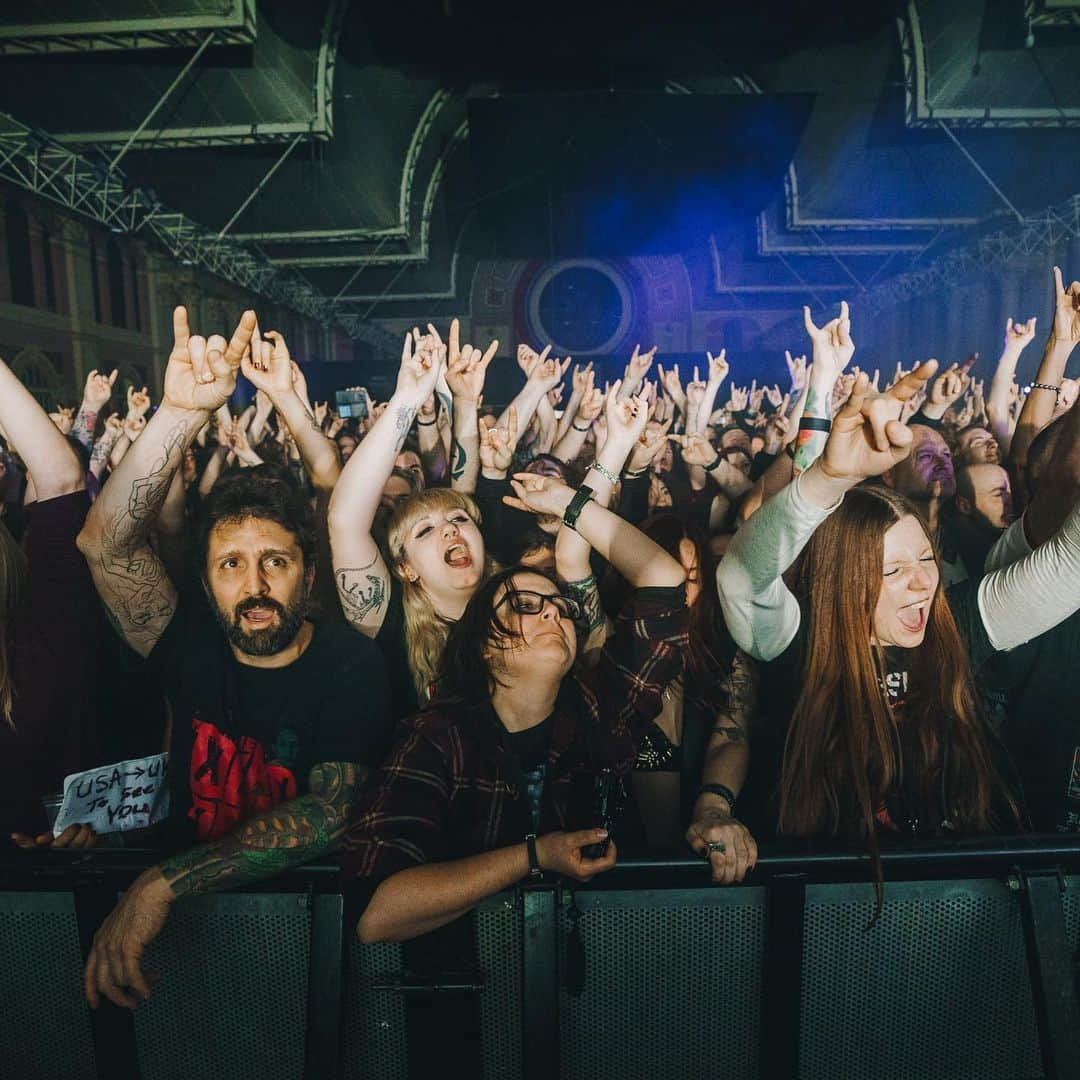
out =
column 460, row 646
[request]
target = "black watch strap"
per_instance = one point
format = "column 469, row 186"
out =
column 583, row 495
column 534, row 863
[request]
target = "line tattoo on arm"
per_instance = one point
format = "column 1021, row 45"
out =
column 360, row 591
column 586, row 593
column 404, row 415
column 131, row 578
column 461, row 459
column 288, row 835
column 741, row 685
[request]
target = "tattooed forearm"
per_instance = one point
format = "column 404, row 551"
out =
column 447, row 403
column 731, row 732
column 461, row 459
column 103, row 448
column 361, row 592
column 404, row 415
column 83, row 428
column 741, row 685
column 289, row 835
column 586, row 593
column 129, row 576
column 809, row 444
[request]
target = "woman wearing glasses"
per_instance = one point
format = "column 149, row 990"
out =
column 476, row 794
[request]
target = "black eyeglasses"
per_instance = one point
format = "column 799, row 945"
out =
column 527, row 602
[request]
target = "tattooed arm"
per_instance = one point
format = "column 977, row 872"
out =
column 288, row 835
column 103, row 448
column 833, row 350
column 362, row 577
column 595, row 626
column 129, row 576
column 727, row 757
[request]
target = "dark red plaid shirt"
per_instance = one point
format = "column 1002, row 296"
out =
column 448, row 788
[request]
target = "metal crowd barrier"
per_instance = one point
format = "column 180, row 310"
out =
column 648, row 971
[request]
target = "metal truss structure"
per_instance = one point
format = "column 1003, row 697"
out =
column 1035, row 235
column 919, row 110
column 233, row 23
column 197, row 31
column 36, row 162
column 1053, row 13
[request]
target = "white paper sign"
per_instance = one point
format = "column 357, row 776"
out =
column 114, row 798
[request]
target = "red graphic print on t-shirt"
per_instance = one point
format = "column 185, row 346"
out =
column 231, row 781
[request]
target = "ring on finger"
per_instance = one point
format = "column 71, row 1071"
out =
column 716, row 846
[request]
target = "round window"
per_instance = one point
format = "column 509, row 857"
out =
column 580, row 307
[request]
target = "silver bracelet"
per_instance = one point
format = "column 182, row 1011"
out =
column 605, row 472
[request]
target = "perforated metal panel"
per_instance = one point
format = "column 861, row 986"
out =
column 374, row 1020
column 672, row 986
column 498, row 948
column 1072, row 914
column 232, row 1000
column 938, row 988
column 44, row 1022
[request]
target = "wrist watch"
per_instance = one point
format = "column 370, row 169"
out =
column 535, row 870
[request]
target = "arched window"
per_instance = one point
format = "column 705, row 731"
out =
column 40, row 374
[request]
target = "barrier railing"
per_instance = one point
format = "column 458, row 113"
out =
column 648, row 971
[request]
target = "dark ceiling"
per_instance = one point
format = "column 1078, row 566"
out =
column 366, row 107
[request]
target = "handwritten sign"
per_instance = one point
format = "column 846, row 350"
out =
column 114, row 798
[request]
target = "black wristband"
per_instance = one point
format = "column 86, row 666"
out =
column 583, row 495
column 815, row 423
column 576, row 428
column 715, row 461
column 535, row 870
column 722, row 790
column 427, row 423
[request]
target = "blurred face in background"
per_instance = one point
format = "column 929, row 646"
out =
column 976, row 446
column 929, row 463
column 985, row 495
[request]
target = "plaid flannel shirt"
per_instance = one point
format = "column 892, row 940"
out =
column 448, row 789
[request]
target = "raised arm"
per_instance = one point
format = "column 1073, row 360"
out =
column 542, row 374
column 833, row 350
column 130, row 578
column 466, row 369
column 361, row 575
column 1017, row 338
column 269, row 368
column 96, row 394
column 866, row 440
column 639, row 559
column 1039, row 405
column 626, row 421
column 48, row 457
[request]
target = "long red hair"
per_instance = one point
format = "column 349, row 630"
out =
column 843, row 756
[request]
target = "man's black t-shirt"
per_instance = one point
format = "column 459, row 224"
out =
column 244, row 739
